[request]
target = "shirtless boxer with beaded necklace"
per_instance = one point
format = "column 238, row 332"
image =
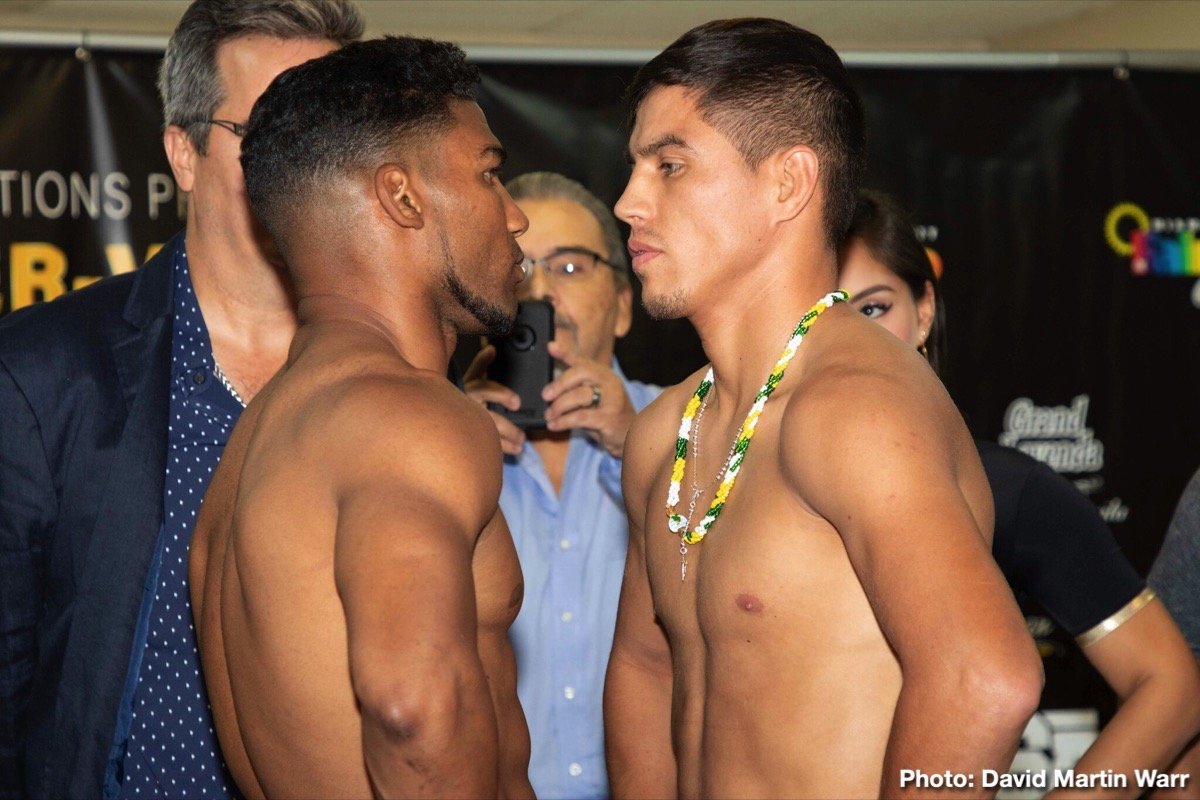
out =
column 809, row 604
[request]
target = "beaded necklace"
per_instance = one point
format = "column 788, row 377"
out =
column 678, row 523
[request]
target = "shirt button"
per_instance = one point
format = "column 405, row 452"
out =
column 565, row 544
column 567, row 616
column 575, row 770
column 198, row 377
column 569, row 692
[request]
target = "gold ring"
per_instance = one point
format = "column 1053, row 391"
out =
column 595, row 397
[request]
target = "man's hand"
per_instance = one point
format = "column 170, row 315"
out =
column 588, row 395
column 484, row 391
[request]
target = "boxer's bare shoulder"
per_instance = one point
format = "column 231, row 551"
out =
column 865, row 409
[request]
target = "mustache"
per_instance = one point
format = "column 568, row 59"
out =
column 646, row 236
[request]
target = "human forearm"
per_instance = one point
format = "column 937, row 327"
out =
column 637, row 732
column 1150, row 728
column 1155, row 676
column 963, row 721
column 1146, row 733
column 1187, row 764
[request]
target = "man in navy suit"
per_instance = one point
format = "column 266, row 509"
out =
column 115, row 405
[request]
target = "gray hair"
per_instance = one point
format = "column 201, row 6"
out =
column 552, row 186
column 188, row 82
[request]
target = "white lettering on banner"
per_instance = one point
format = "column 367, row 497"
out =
column 1024, row 420
column 117, row 204
column 1055, row 435
column 53, row 195
column 85, row 195
column 161, row 189
column 38, row 270
column 1174, row 224
column 1059, row 437
column 1114, row 511
column 1065, row 455
column 7, row 176
column 44, row 207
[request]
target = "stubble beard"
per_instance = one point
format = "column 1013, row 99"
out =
column 494, row 319
column 669, row 306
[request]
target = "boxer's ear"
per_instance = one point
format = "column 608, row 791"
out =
column 398, row 196
column 796, row 172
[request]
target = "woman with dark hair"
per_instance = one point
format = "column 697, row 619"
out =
column 1050, row 541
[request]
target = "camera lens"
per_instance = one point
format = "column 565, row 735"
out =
column 523, row 338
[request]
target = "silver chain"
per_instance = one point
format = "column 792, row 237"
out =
column 220, row 373
column 696, row 490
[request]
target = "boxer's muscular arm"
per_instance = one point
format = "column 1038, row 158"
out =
column 638, row 685
column 877, row 457
column 408, row 521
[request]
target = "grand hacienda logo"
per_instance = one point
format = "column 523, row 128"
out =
column 1154, row 245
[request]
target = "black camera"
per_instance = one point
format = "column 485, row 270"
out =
column 523, row 363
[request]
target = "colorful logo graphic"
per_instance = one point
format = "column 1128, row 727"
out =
column 1154, row 245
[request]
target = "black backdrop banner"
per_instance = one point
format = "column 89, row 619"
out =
column 1062, row 204
column 85, row 190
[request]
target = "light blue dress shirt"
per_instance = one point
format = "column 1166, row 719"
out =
column 572, row 551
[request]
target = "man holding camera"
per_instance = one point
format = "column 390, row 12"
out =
column 562, row 483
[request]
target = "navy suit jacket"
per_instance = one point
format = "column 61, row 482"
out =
column 84, row 397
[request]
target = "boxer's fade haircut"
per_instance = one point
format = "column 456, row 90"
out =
column 188, row 80
column 767, row 85
column 353, row 109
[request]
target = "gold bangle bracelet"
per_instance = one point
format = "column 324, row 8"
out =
column 1104, row 628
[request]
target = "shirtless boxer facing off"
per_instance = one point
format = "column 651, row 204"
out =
column 353, row 580
column 842, row 619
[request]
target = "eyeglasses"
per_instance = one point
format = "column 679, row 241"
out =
column 566, row 263
column 236, row 128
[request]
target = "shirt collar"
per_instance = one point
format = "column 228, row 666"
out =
column 191, row 348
